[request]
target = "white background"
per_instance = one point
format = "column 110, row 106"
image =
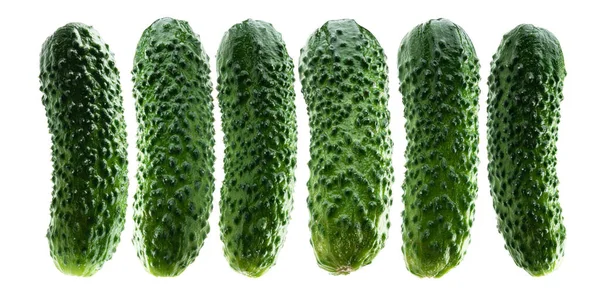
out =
column 487, row 275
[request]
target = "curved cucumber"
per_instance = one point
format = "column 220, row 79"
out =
column 176, row 147
column 345, row 84
column 439, row 75
column 256, row 97
column 525, row 84
column 84, row 107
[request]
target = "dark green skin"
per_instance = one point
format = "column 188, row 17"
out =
column 176, row 156
column 84, row 107
column 525, row 91
column 439, row 76
column 256, row 97
column 345, row 84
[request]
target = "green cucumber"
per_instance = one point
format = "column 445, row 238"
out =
column 525, row 91
column 176, row 147
column 256, row 97
column 345, row 84
column 84, row 108
column 439, row 76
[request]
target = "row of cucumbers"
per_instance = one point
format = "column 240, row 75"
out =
column 344, row 80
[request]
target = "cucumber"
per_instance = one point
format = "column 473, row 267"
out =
column 344, row 80
column 256, row 97
column 84, row 108
column 175, row 140
column 525, row 91
column 439, row 76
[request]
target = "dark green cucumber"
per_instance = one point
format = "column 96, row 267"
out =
column 525, row 91
column 176, row 147
column 439, row 76
column 345, row 84
column 84, row 107
column 256, row 97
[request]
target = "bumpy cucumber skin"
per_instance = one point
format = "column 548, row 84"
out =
column 176, row 147
column 256, row 97
column 439, row 76
column 525, row 91
column 84, row 108
column 344, row 80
